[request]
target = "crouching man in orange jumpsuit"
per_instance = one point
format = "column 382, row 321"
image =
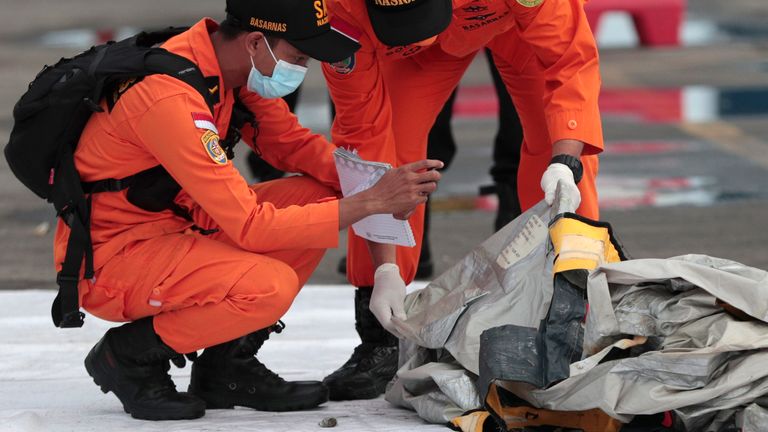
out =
column 219, row 268
column 388, row 94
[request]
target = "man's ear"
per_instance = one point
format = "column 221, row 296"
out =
column 252, row 41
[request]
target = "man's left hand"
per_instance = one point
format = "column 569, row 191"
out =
column 559, row 173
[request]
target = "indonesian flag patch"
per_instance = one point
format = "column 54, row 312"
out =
column 204, row 121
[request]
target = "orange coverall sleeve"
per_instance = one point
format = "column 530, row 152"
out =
column 285, row 144
column 170, row 135
column 363, row 111
column 560, row 36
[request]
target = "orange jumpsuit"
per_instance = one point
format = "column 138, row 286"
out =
column 203, row 290
column 387, row 98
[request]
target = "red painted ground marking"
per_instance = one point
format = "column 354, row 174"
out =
column 647, row 105
column 647, row 147
column 105, row 35
column 671, row 183
column 631, row 193
column 650, row 105
column 487, row 203
column 476, row 102
column 618, row 203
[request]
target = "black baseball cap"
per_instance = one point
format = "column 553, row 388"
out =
column 403, row 22
column 303, row 23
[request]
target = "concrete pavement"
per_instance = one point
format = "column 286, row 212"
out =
column 680, row 141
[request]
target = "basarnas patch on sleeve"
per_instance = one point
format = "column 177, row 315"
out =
column 345, row 66
column 530, row 3
column 210, row 141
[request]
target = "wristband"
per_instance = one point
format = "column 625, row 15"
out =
column 573, row 163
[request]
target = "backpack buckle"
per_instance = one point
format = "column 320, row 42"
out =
column 74, row 319
column 93, row 105
column 116, row 185
column 69, row 319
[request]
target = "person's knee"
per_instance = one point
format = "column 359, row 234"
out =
column 266, row 291
column 318, row 190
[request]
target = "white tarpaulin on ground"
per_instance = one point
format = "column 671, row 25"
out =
column 44, row 386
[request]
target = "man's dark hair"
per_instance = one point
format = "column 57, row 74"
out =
column 231, row 28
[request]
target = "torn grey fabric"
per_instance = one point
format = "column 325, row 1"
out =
column 483, row 291
column 480, row 292
column 656, row 337
column 437, row 391
column 537, row 355
column 753, row 418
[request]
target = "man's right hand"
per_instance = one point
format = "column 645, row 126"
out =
column 397, row 192
column 388, row 297
column 402, row 189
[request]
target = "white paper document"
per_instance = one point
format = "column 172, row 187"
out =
column 356, row 175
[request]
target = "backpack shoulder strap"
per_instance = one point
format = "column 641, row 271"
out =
column 160, row 61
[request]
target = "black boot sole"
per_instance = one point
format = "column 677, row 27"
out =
column 355, row 394
column 106, row 383
column 218, row 401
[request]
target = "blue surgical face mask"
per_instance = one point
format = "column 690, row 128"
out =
column 285, row 79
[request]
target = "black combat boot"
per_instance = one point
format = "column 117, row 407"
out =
column 373, row 363
column 509, row 204
column 425, row 268
column 132, row 362
column 228, row 374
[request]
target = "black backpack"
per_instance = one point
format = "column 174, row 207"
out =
column 48, row 121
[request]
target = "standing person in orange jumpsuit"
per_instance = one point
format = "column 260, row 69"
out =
column 387, row 95
column 219, row 266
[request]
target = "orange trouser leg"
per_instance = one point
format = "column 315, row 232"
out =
column 296, row 190
column 522, row 74
column 197, row 311
column 205, row 291
column 418, row 88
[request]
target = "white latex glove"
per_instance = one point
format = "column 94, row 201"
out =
column 555, row 173
column 388, row 297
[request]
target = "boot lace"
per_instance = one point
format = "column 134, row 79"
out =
column 374, row 357
column 361, row 356
column 158, row 381
column 251, row 344
column 263, row 373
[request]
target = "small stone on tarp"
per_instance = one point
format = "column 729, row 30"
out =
column 328, row 422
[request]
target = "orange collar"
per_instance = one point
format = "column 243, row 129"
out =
column 202, row 47
column 195, row 44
